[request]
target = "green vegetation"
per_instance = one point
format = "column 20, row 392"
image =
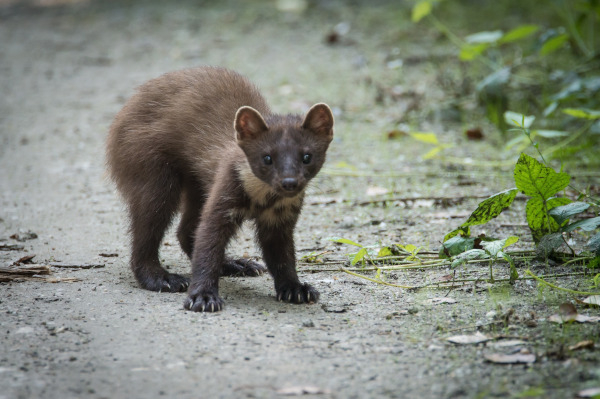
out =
column 550, row 70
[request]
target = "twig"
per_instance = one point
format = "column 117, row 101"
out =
column 412, row 199
column 496, row 280
column 375, row 280
column 75, row 266
column 10, row 247
column 29, row 270
column 441, row 175
column 556, row 287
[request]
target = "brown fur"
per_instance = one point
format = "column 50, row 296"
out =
column 196, row 141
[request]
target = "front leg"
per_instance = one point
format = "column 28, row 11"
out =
column 213, row 234
column 277, row 243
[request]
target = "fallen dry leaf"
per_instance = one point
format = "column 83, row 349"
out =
column 302, row 390
column 593, row 300
column 589, row 393
column 567, row 312
column 394, row 134
column 567, row 309
column 439, row 300
column 376, row 190
column 24, row 260
column 508, row 343
column 580, row 318
column 515, row 358
column 476, row 338
column 474, row 133
column 587, row 344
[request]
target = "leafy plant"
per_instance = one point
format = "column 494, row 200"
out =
column 547, row 215
column 359, row 256
column 559, row 64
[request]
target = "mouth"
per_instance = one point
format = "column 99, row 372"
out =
column 290, row 192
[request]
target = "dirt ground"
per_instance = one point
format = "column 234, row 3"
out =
column 65, row 71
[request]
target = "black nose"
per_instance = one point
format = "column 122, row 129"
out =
column 289, row 183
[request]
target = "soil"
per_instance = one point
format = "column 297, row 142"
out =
column 66, row 68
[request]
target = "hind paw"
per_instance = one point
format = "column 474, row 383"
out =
column 167, row 282
column 242, row 267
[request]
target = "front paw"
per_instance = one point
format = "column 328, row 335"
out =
column 298, row 293
column 203, row 300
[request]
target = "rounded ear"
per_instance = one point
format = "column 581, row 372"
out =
column 319, row 119
column 249, row 123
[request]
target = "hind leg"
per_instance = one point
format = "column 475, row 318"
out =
column 151, row 213
column 193, row 201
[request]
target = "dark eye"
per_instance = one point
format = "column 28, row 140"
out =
column 267, row 160
column 306, row 158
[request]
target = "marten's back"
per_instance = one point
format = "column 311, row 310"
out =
column 182, row 119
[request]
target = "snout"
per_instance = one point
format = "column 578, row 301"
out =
column 289, row 184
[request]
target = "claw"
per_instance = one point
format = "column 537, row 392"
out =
column 212, row 307
column 299, row 297
column 189, row 304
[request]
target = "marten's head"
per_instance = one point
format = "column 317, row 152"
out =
column 285, row 152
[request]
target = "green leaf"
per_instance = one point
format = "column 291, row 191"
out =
column 514, row 274
column 360, row 255
column 594, row 264
column 384, row 251
column 421, row 10
column 490, row 208
column 469, row 52
column 487, row 210
column 548, row 244
column 484, row 37
column 537, row 180
column 518, row 120
column 495, row 247
column 410, row 248
column 550, row 134
column 456, row 245
column 562, row 213
column 554, row 44
column 345, row 241
column 462, row 258
column 583, row 113
column 433, row 152
column 429, row 138
column 520, row 32
column 494, row 82
column 550, row 108
column 539, row 222
column 594, row 244
column 463, row 231
column 585, row 224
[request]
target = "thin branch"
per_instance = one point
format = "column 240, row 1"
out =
column 375, row 280
column 556, row 287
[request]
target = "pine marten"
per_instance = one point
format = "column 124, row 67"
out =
column 203, row 141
